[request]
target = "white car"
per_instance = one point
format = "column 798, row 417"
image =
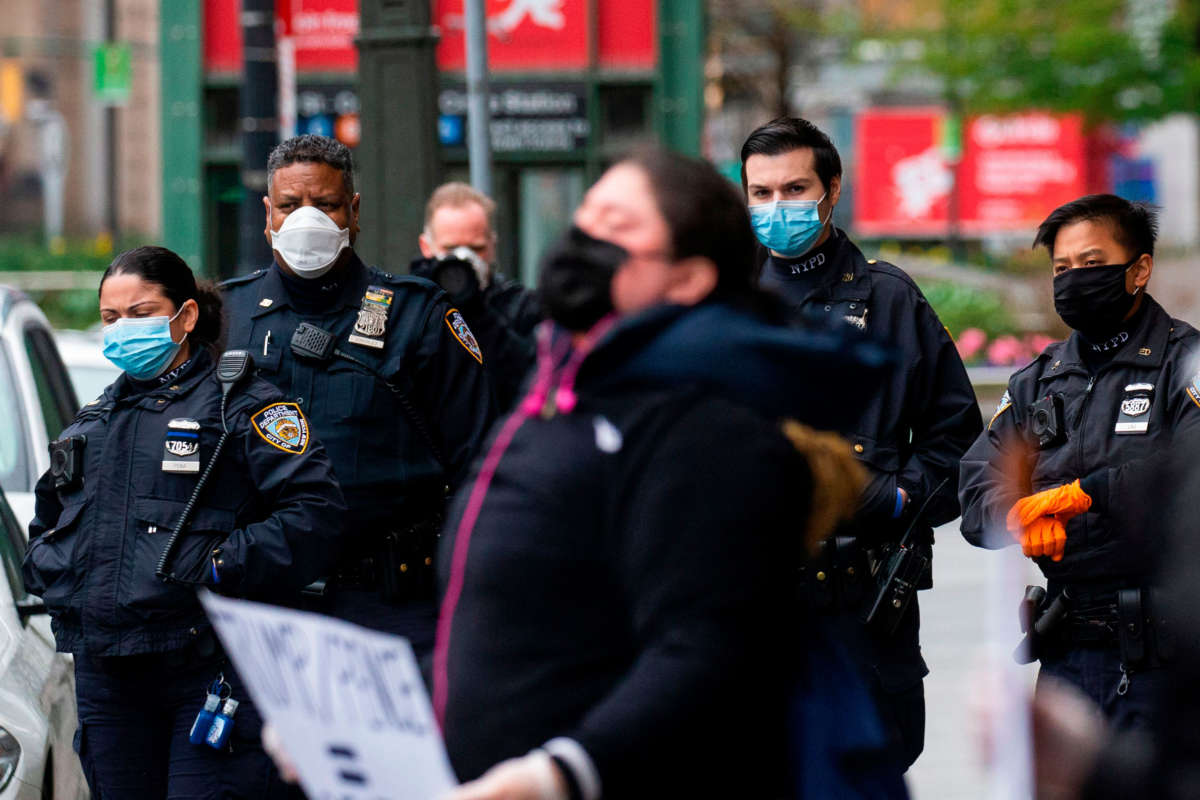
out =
column 37, row 689
column 83, row 355
column 37, row 400
column 37, row 685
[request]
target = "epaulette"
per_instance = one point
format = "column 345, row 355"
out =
column 240, row 279
column 891, row 270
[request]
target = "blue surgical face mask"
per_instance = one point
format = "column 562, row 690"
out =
column 142, row 346
column 788, row 227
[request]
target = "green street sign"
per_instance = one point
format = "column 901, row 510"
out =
column 113, row 73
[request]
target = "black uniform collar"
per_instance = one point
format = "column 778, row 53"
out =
column 810, row 266
column 846, row 275
column 273, row 292
column 1146, row 347
column 180, row 382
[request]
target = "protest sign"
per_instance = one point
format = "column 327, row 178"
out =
column 348, row 703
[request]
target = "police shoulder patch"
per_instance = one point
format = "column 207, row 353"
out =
column 1004, row 404
column 1193, row 389
column 458, row 327
column 282, row 425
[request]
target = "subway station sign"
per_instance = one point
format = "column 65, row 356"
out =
column 527, row 117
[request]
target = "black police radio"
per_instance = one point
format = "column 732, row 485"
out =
column 1046, row 421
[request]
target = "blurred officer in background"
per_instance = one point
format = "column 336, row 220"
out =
column 618, row 614
column 458, row 249
column 389, row 373
column 117, row 557
column 1058, row 469
column 916, row 425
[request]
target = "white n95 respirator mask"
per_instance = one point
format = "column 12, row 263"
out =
column 309, row 241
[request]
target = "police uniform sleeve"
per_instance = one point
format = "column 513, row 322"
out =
column 994, row 474
column 293, row 480
column 944, row 420
column 701, row 563
column 453, row 387
column 46, row 511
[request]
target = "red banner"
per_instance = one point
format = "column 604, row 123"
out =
column 222, row 36
column 323, row 32
column 1014, row 170
column 552, row 34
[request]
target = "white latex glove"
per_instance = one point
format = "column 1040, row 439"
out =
column 274, row 748
column 530, row 777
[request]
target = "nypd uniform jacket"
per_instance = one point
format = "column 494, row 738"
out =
column 1131, row 409
column 405, row 345
column 919, row 423
column 271, row 509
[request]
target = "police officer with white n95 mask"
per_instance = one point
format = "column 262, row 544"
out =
column 386, row 369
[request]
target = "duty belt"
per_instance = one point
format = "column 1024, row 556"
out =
column 1129, row 619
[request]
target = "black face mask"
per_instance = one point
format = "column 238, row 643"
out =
column 576, row 281
column 1093, row 300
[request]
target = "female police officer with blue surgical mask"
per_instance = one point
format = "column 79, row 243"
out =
column 181, row 475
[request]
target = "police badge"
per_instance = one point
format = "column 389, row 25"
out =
column 371, row 325
column 181, row 448
column 1135, row 409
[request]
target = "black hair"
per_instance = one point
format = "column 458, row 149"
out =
column 785, row 134
column 1134, row 225
column 313, row 149
column 164, row 268
column 707, row 217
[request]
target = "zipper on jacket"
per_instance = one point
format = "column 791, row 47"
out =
column 1079, row 434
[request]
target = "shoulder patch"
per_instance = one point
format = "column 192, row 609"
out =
column 1193, row 389
column 282, row 425
column 1004, row 404
column 458, row 327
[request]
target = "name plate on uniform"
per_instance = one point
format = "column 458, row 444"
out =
column 181, row 448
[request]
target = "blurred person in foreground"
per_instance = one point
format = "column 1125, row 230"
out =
column 916, row 425
column 618, row 614
column 1061, row 471
column 458, row 252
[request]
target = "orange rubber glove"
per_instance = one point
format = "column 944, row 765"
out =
column 1045, row 536
column 1063, row 502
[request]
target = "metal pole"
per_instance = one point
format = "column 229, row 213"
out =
column 110, row 131
column 479, row 141
column 259, row 129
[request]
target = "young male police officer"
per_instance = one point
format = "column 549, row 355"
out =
column 1060, row 465
column 917, row 425
column 458, row 249
column 388, row 373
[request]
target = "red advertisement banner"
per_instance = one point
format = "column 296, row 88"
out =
column 1014, row 170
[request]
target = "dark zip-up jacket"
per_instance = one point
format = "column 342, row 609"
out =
column 919, row 422
column 386, row 467
column 629, row 580
column 272, row 507
column 1005, row 463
